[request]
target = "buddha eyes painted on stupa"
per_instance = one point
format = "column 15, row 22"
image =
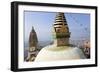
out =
column 57, row 29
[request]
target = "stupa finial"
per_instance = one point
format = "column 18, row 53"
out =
column 61, row 32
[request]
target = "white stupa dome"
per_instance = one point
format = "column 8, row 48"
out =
column 53, row 53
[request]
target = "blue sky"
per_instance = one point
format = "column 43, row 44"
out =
column 79, row 25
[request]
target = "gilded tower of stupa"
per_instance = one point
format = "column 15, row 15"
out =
column 33, row 42
column 61, row 32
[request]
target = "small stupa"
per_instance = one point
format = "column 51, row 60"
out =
column 33, row 42
column 60, row 49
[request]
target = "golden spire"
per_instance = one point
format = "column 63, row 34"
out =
column 60, row 19
column 60, row 26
